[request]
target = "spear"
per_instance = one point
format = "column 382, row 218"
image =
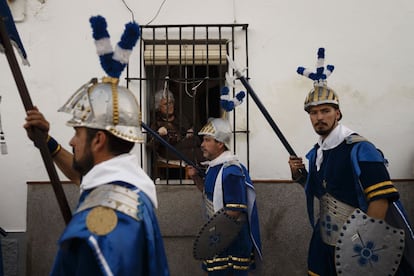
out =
column 261, row 107
column 172, row 148
column 39, row 138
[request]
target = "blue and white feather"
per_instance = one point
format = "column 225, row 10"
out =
column 227, row 103
column 319, row 77
column 113, row 62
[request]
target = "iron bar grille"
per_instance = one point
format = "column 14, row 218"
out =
column 190, row 61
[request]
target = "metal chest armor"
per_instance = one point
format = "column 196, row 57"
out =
column 333, row 214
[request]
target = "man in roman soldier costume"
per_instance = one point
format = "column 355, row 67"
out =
column 362, row 228
column 114, row 229
column 227, row 190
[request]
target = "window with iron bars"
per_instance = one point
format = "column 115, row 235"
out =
column 181, row 73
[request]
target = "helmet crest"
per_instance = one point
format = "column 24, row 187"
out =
column 227, row 103
column 106, row 105
column 321, row 93
column 220, row 128
column 113, row 62
column 321, row 74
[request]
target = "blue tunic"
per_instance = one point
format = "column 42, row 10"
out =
column 239, row 257
column 355, row 174
column 131, row 248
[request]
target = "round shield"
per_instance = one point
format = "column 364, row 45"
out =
column 368, row 246
column 216, row 235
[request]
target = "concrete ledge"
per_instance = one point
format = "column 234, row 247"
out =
column 10, row 253
column 44, row 225
column 284, row 224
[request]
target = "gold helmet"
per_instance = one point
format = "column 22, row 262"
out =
column 218, row 128
column 321, row 94
column 107, row 106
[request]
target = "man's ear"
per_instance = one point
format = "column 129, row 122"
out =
column 222, row 146
column 338, row 114
column 100, row 140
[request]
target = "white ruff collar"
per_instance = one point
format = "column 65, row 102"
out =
column 334, row 138
column 120, row 168
column 226, row 156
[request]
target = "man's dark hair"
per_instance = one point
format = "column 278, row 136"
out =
column 337, row 108
column 116, row 145
column 334, row 106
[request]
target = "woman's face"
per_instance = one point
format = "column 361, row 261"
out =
column 166, row 106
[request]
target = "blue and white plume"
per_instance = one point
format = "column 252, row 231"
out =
column 321, row 74
column 227, row 103
column 114, row 62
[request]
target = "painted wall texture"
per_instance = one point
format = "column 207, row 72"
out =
column 369, row 42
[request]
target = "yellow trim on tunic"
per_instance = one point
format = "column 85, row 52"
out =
column 232, row 205
column 382, row 192
column 58, row 148
column 312, row 273
column 376, row 186
column 222, row 267
column 239, row 267
column 229, row 260
column 210, row 261
column 237, row 259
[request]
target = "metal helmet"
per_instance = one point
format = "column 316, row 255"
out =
column 107, row 106
column 321, row 94
column 218, row 128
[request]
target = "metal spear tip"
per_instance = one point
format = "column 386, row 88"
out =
column 237, row 70
column 231, row 63
column 230, row 80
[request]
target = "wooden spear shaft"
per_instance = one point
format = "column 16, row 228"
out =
column 39, row 138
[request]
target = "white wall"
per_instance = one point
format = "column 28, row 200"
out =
column 369, row 43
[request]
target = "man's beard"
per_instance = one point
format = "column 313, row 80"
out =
column 324, row 131
column 84, row 165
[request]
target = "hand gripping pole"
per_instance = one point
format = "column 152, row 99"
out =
column 39, row 139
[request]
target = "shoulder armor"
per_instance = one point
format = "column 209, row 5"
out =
column 114, row 197
column 231, row 163
column 233, row 167
column 355, row 138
